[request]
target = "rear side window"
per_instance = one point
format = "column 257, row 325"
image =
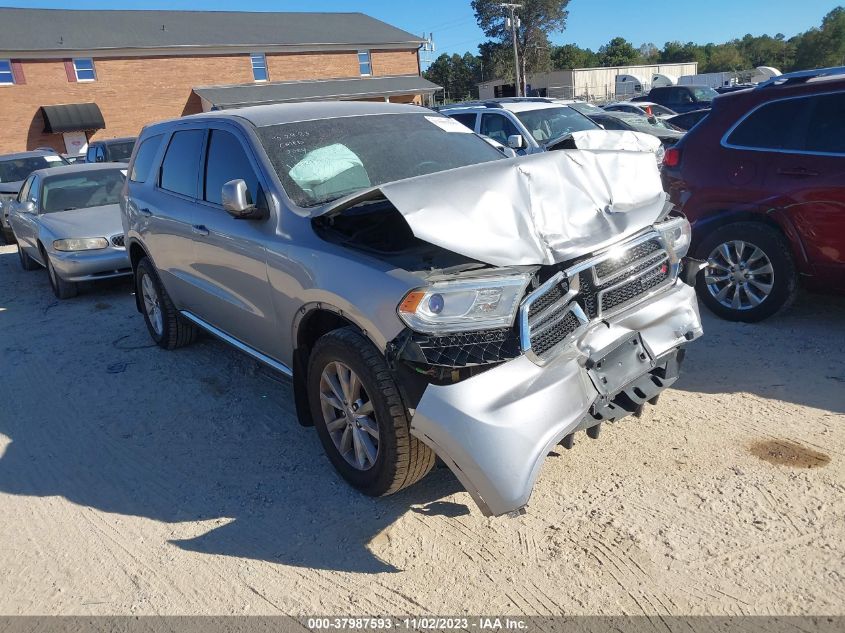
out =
column 773, row 126
column 497, row 127
column 180, row 167
column 467, row 119
column 225, row 161
column 826, row 131
column 144, row 158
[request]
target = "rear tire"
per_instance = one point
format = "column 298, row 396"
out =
column 750, row 274
column 401, row 459
column 61, row 288
column 9, row 236
column 164, row 323
column 27, row 263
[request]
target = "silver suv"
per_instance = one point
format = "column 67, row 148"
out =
column 426, row 296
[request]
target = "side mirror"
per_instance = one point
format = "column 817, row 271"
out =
column 235, row 198
column 515, row 141
column 27, row 207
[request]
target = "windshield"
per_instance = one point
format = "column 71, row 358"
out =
column 319, row 161
column 644, row 124
column 20, row 168
column 586, row 108
column 121, row 151
column 704, row 94
column 661, row 110
column 549, row 124
column 81, row 190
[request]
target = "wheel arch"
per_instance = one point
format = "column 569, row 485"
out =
column 136, row 253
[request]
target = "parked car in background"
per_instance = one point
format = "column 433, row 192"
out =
column 581, row 106
column 528, row 125
column 687, row 120
column 67, row 219
column 426, row 295
column 74, row 159
column 680, row 98
column 14, row 169
column 762, row 179
column 643, row 108
column 668, row 134
column 113, row 150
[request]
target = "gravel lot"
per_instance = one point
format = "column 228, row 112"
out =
column 139, row 481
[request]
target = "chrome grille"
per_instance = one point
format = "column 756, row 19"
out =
column 118, row 240
column 591, row 289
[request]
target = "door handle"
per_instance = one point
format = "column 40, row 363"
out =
column 798, row 172
column 199, row 229
column 145, row 212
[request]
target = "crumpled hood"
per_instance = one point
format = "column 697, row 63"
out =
column 102, row 221
column 538, row 209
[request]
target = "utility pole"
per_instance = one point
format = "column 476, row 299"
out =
column 513, row 22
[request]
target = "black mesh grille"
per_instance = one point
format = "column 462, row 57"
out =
column 470, row 348
column 555, row 294
column 118, row 240
column 550, row 328
column 615, row 264
column 544, row 340
column 632, row 289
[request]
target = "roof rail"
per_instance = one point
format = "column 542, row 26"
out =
column 802, row 76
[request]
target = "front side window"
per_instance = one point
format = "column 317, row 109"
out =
column 180, row 167
column 498, row 127
column 773, row 126
column 259, row 66
column 144, row 158
column 84, row 69
column 550, row 124
column 225, row 161
column 82, row 190
column 364, row 65
column 24, row 192
column 322, row 160
column 7, row 77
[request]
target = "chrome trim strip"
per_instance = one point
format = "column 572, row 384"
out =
column 660, row 253
column 246, row 349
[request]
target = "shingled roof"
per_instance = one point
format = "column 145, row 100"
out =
column 30, row 30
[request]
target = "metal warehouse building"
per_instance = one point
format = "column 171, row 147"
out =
column 592, row 84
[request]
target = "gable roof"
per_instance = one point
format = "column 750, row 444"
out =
column 79, row 30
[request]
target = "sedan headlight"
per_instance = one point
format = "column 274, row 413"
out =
column 462, row 305
column 81, row 244
column 677, row 234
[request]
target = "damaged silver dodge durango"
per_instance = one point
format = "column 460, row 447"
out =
column 427, row 296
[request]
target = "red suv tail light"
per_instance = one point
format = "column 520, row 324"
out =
column 672, row 158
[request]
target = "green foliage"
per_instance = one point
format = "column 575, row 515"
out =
column 571, row 56
column 458, row 75
column 618, row 52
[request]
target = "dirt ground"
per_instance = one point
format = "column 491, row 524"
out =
column 139, row 481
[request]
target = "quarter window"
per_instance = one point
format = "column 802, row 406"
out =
column 144, row 159
column 826, row 130
column 776, row 125
column 180, row 167
column 259, row 66
column 225, row 161
column 7, row 77
column 84, row 69
column 364, row 65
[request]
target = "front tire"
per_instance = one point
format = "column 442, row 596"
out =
column 164, row 323
column 360, row 417
column 61, row 288
column 750, row 274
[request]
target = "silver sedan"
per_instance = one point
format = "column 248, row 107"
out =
column 67, row 219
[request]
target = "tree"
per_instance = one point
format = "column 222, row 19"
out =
column 538, row 19
column 822, row 47
column 458, row 75
column 570, row 56
column 724, row 57
column 618, row 52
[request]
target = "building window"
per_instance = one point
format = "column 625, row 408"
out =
column 364, row 64
column 259, row 66
column 84, row 69
column 7, row 77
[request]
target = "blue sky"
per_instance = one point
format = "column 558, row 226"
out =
column 591, row 22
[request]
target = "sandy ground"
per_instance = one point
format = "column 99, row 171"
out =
column 139, row 481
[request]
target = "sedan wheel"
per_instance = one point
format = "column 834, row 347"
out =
column 739, row 275
column 347, row 413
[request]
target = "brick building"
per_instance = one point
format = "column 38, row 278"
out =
column 69, row 76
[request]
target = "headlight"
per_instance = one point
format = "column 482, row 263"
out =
column 660, row 154
column 677, row 234
column 81, row 244
column 462, row 305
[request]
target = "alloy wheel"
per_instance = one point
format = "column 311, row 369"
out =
column 152, row 305
column 349, row 416
column 739, row 275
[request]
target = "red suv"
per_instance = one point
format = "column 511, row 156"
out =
column 762, row 180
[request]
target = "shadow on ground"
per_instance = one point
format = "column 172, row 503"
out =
column 796, row 356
